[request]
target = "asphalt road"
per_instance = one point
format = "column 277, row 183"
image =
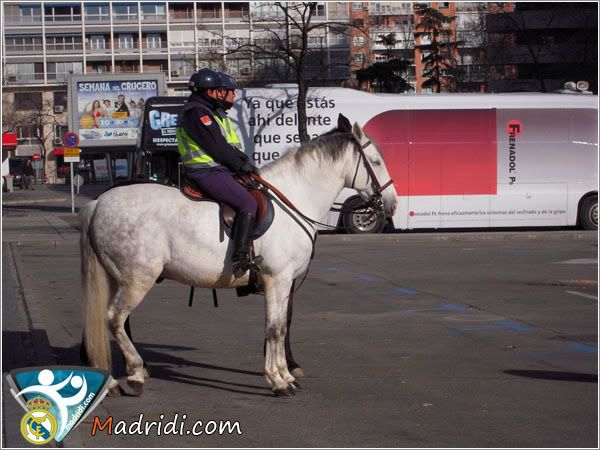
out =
column 406, row 341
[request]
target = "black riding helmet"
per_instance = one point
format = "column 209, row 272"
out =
column 228, row 82
column 205, row 79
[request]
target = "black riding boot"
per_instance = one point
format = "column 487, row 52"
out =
column 242, row 238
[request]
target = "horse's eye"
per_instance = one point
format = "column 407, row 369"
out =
column 376, row 162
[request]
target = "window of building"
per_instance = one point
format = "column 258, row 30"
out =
column 60, row 71
column 97, row 12
column 358, row 41
column 124, row 12
column 126, row 41
column 18, row 44
column 444, row 5
column 154, row 40
column 153, row 11
column 28, row 101
column 28, row 131
column 357, row 6
column 98, row 68
column 63, row 43
column 320, row 11
column 358, row 23
column 60, row 130
column 31, row 13
column 359, row 58
column 380, row 58
column 181, row 38
column 24, row 72
column 60, row 99
column 97, row 42
column 62, row 13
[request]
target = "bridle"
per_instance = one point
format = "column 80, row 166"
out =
column 376, row 199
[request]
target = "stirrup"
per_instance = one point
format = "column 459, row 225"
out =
column 255, row 263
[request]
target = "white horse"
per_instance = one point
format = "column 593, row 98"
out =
column 132, row 235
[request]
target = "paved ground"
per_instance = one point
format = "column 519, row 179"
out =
column 408, row 340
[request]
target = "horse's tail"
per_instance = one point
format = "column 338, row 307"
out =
column 96, row 283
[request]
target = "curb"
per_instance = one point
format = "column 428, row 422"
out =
column 41, row 345
column 32, row 202
column 575, row 235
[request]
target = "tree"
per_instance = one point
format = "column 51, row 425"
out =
column 288, row 44
column 438, row 51
column 389, row 76
column 33, row 115
column 389, row 41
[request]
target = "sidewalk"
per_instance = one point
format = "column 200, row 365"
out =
column 45, row 213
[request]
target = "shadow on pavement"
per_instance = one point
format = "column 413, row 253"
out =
column 554, row 375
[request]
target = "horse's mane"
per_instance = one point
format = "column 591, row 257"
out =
column 327, row 148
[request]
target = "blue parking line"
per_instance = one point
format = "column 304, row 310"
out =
column 515, row 326
column 335, row 269
column 367, row 278
column 402, row 290
column 453, row 307
column 585, row 348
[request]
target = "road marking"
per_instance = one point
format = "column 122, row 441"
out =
column 585, row 348
column 367, row 278
column 580, row 261
column 581, row 294
column 402, row 290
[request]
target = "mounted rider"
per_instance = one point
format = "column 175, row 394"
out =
column 212, row 154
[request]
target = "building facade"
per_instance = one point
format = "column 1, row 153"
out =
column 43, row 43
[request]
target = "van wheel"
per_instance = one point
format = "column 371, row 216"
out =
column 588, row 213
column 361, row 219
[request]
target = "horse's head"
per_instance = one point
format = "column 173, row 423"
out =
column 369, row 176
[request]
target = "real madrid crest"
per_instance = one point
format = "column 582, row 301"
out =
column 38, row 425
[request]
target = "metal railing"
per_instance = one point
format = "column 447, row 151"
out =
column 24, row 78
column 181, row 16
column 18, row 20
column 209, row 16
column 16, row 49
column 66, row 47
column 154, row 18
column 62, row 18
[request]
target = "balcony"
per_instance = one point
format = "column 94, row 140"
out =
column 97, row 50
column 64, row 48
column 161, row 49
column 62, row 19
column 25, row 78
column 22, row 20
column 25, row 49
column 28, row 147
column 94, row 19
column 154, row 18
column 181, row 15
column 237, row 16
column 209, row 16
column 125, row 18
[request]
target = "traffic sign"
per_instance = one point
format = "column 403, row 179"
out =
column 71, row 139
column 36, row 156
column 71, row 155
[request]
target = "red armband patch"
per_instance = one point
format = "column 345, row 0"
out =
column 206, row 120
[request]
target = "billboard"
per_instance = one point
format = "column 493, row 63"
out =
column 105, row 110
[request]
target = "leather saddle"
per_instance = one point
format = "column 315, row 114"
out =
column 264, row 214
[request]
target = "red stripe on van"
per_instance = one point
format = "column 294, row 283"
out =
column 438, row 152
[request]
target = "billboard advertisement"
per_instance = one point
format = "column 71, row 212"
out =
column 105, row 110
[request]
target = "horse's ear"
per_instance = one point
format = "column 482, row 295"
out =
column 344, row 124
column 358, row 132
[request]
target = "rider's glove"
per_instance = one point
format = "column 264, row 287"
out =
column 248, row 168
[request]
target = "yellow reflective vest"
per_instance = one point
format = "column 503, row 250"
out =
column 191, row 153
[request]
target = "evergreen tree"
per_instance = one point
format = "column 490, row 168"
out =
column 438, row 52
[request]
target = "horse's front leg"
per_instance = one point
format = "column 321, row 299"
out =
column 276, row 369
column 293, row 366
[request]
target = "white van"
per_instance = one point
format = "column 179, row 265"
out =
column 457, row 160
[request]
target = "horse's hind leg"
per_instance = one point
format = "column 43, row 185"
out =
column 125, row 300
column 130, row 336
column 293, row 366
column 276, row 369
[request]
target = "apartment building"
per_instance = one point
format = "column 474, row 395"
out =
column 42, row 43
column 467, row 28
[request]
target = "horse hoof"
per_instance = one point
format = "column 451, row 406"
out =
column 136, row 386
column 146, row 372
column 116, row 391
column 298, row 373
column 284, row 393
column 296, row 386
